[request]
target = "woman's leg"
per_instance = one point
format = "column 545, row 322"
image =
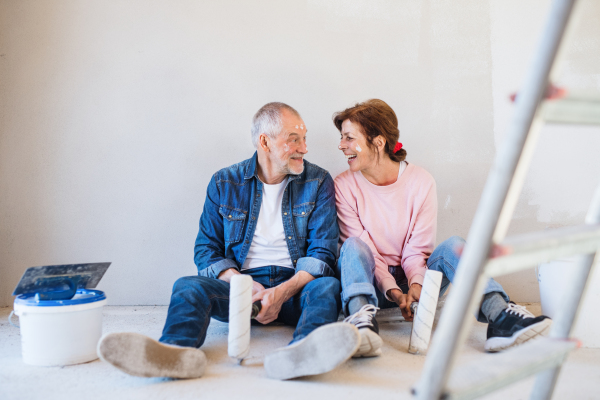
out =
column 356, row 265
column 445, row 259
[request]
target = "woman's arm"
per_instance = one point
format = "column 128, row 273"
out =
column 351, row 226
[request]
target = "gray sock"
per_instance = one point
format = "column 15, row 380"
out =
column 492, row 305
column 356, row 303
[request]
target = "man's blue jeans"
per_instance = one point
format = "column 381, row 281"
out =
column 196, row 299
column 357, row 264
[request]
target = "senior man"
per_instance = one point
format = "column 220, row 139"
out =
column 272, row 217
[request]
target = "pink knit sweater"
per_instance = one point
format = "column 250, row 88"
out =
column 398, row 221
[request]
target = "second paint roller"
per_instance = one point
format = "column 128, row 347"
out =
column 241, row 311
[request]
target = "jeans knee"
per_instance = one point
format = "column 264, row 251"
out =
column 188, row 284
column 354, row 245
column 327, row 285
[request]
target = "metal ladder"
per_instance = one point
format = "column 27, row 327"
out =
column 543, row 356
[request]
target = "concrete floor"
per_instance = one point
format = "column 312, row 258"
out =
column 389, row 376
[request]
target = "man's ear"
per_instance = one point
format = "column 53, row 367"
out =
column 263, row 142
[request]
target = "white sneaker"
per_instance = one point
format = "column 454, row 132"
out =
column 140, row 355
column 364, row 320
column 321, row 351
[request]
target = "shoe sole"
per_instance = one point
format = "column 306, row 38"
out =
column 496, row 344
column 370, row 344
column 321, row 351
column 139, row 355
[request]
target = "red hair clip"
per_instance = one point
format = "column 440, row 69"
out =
column 397, row 147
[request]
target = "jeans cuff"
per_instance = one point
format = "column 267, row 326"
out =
column 358, row 289
column 314, row 266
column 215, row 269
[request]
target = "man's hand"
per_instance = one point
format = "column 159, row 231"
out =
column 228, row 273
column 272, row 299
column 256, row 288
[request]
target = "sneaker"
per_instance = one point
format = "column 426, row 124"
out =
column 140, row 355
column 370, row 341
column 514, row 325
column 321, row 351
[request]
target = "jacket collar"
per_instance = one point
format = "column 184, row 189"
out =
column 252, row 171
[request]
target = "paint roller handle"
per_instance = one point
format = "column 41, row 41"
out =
column 413, row 307
column 256, row 307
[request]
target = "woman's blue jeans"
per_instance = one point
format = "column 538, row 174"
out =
column 196, row 299
column 356, row 266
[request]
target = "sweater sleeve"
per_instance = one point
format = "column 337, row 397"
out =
column 421, row 239
column 350, row 226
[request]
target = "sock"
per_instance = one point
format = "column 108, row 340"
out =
column 356, row 303
column 492, row 305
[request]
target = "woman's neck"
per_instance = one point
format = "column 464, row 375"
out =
column 382, row 174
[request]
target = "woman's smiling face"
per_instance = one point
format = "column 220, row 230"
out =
column 353, row 144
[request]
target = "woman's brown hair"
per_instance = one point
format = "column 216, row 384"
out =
column 375, row 118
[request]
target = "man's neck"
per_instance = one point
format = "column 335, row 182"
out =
column 267, row 171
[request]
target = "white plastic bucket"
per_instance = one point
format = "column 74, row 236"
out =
column 60, row 332
column 553, row 278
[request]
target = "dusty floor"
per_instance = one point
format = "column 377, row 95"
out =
column 389, row 376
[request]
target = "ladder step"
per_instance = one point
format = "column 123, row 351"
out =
column 572, row 110
column 494, row 371
column 529, row 249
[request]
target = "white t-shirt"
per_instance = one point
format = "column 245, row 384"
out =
column 268, row 244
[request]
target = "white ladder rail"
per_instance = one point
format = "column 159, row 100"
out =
column 567, row 314
column 469, row 281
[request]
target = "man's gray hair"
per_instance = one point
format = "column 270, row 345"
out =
column 267, row 120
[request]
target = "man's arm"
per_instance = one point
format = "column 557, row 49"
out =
column 322, row 235
column 272, row 299
column 209, row 251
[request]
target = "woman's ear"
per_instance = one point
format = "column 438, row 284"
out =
column 379, row 142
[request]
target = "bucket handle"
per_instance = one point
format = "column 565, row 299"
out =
column 10, row 319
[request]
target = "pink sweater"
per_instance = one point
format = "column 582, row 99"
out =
column 398, row 221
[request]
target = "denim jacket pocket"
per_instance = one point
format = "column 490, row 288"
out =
column 233, row 223
column 301, row 212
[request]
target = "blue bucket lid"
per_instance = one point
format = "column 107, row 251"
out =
column 82, row 296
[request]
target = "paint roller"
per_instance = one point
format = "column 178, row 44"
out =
column 241, row 311
column 424, row 312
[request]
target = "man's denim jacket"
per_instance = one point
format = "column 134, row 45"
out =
column 231, row 208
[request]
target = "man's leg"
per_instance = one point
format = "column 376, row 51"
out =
column 319, row 344
column 193, row 301
column 359, row 297
column 508, row 323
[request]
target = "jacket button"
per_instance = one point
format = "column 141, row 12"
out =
column 289, row 237
column 253, row 218
column 284, row 213
column 303, row 213
column 230, row 216
column 246, row 242
column 295, row 261
column 257, row 194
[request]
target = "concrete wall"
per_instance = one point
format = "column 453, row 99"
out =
column 115, row 114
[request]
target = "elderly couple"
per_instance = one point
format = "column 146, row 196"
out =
column 275, row 217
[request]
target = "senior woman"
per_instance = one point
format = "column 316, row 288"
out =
column 387, row 214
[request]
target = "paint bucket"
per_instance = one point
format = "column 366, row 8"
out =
column 553, row 278
column 60, row 332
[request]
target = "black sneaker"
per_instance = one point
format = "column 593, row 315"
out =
column 370, row 341
column 514, row 326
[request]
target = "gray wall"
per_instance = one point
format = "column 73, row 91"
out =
column 115, row 114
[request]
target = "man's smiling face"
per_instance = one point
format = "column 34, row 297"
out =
column 289, row 147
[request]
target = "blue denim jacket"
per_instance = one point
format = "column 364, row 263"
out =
column 228, row 221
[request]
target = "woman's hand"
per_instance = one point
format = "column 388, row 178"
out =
column 405, row 300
